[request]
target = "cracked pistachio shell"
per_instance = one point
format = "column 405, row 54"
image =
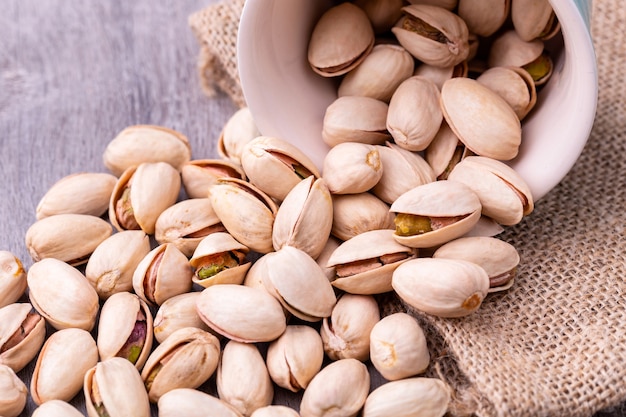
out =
column 427, row 397
column 82, row 193
column 186, row 359
column 146, row 143
column 534, row 19
column 246, row 212
column 446, row 4
column 239, row 129
column 243, row 380
column 445, row 151
column 188, row 402
column 70, row 238
column 354, row 214
column 441, row 287
column 355, row 119
column 295, row 357
column 433, row 35
column 352, row 168
column 141, row 194
column 22, row 333
column 298, row 283
column 114, row 388
column 275, row 166
column 241, row 313
column 497, row 257
column 12, row 278
column 56, row 408
column 341, row 39
column 514, row 85
column 62, row 364
column 275, row 411
column 484, row 18
column 186, row 223
column 481, row 119
column 398, row 347
column 503, row 193
column 402, row 170
column 13, row 393
column 125, row 329
column 111, row 266
column 341, row 386
column 414, row 114
column 346, row 333
column 199, row 175
column 380, row 73
column 383, row 14
column 163, row 273
column 364, row 264
column 175, row 313
column 220, row 247
column 451, row 208
column 440, row 75
column 305, row 218
column 62, row 295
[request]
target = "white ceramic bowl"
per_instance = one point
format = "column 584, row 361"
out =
column 288, row 100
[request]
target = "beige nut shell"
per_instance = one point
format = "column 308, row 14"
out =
column 12, row 278
column 11, row 318
column 190, row 402
column 214, row 244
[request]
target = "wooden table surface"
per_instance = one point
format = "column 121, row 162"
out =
column 73, row 73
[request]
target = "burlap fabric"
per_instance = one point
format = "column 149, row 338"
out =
column 555, row 343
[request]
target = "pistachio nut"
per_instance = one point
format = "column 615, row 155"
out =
column 275, row 411
column 383, row 14
column 175, row 362
column 514, row 85
column 186, row 223
column 481, row 119
column 12, row 278
column 503, row 193
column 175, row 313
column 295, row 357
column 380, row 73
column 62, row 295
column 70, row 238
column 440, row 75
column 241, row 313
column 347, row 29
column 352, row 168
column 435, row 213
column 355, row 119
column 346, row 333
column 198, row 175
column 239, row 129
column 188, row 402
column 402, row 170
column 428, row 397
column 111, row 266
column 246, row 212
column 243, row 380
column 398, row 347
column 484, row 18
column 81, row 193
column 354, row 214
column 219, row 259
column 331, row 244
column 56, row 408
column 141, row 194
column 135, row 145
column 64, row 360
column 414, row 114
column 341, row 386
column 534, row 19
column 22, row 333
column 433, row 35
column 441, row 287
column 125, row 329
column 13, row 393
column 508, row 49
column 365, row 263
column 163, row 273
column 445, row 151
column 114, row 388
column 497, row 257
column 305, row 217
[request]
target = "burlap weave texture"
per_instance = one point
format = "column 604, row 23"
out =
column 555, row 343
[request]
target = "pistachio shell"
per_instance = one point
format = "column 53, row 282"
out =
column 446, row 4
column 275, row 411
column 428, row 397
column 445, row 151
column 341, row 39
column 354, row 214
column 514, row 85
column 534, row 19
column 81, row 193
column 355, row 119
column 68, row 237
column 381, row 13
column 12, row 278
column 352, row 168
column 22, row 333
column 56, row 408
column 62, row 364
column 187, row 402
column 13, row 393
column 175, row 313
column 484, row 18
column 146, row 143
column 200, row 174
column 331, row 244
column 239, row 129
column 62, row 295
column 508, row 49
column 216, row 248
column 440, row 75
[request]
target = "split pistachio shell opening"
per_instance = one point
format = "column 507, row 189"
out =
column 219, row 259
column 22, row 333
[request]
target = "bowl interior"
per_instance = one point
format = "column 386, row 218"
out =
column 288, row 100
